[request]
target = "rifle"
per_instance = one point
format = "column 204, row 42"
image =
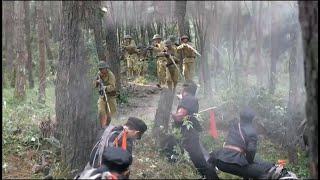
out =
column 194, row 50
column 170, row 57
column 102, row 91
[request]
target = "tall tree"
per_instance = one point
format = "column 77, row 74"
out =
column 258, row 37
column 9, row 40
column 112, row 44
column 180, row 9
column 42, row 54
column 95, row 22
column 20, row 84
column 76, row 127
column 308, row 17
column 274, row 51
column 201, row 21
column 28, row 43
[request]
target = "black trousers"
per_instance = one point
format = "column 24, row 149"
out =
column 192, row 146
column 255, row 170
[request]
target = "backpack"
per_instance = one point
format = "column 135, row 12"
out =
column 104, row 141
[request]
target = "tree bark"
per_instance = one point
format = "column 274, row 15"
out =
column 10, row 36
column 95, row 22
column 76, row 127
column 274, row 54
column 180, row 9
column 308, row 17
column 112, row 46
column 28, row 43
column 257, row 32
column 42, row 55
column 20, row 84
column 162, row 116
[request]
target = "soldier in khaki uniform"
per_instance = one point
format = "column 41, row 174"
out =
column 172, row 61
column 142, row 61
column 109, row 82
column 130, row 54
column 158, row 48
column 188, row 58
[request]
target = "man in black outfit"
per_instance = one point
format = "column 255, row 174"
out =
column 237, row 155
column 187, row 107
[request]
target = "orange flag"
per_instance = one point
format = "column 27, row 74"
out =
column 213, row 128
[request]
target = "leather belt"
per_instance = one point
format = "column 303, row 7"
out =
column 235, row 148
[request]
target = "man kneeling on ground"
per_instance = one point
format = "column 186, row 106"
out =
column 237, row 155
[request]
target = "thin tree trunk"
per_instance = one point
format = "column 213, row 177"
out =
column 42, row 55
column 28, row 43
column 258, row 62
column 20, row 84
column 308, row 17
column 274, row 54
column 112, row 44
column 74, row 93
column 95, row 22
column 10, row 36
column 180, row 9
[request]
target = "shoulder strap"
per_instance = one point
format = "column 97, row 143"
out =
column 241, row 133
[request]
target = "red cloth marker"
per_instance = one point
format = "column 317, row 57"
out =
column 213, row 129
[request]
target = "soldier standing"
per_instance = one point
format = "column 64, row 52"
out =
column 109, row 82
column 172, row 71
column 188, row 58
column 130, row 54
column 158, row 48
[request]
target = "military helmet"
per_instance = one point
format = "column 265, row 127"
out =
column 103, row 64
column 172, row 38
column 156, row 36
column 127, row 37
column 167, row 42
column 184, row 37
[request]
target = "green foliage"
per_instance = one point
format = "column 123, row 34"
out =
column 152, row 67
column 123, row 96
column 20, row 118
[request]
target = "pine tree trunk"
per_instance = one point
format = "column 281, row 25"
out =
column 180, row 9
column 42, row 55
column 10, row 36
column 96, row 24
column 20, row 84
column 112, row 46
column 74, row 93
column 28, row 43
column 308, row 17
column 162, row 116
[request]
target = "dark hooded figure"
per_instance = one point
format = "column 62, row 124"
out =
column 237, row 155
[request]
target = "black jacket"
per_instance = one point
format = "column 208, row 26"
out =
column 191, row 104
column 249, row 145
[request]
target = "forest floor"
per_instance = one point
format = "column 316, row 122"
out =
column 20, row 159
